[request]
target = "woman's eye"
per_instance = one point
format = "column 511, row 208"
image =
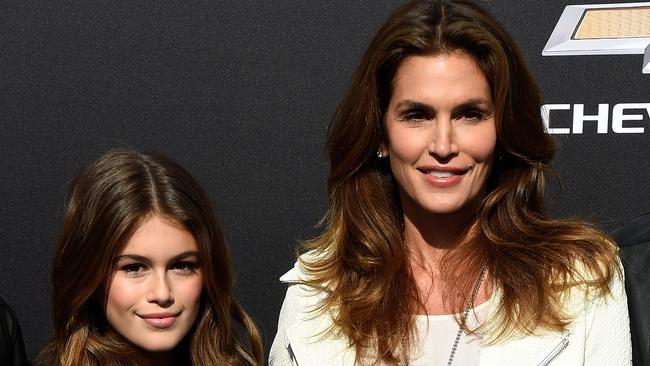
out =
column 185, row 267
column 414, row 116
column 134, row 269
column 473, row 115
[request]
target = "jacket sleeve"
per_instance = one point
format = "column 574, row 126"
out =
column 280, row 354
column 12, row 348
column 608, row 340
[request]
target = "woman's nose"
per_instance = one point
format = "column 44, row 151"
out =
column 443, row 145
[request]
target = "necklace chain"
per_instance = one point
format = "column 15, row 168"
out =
column 463, row 317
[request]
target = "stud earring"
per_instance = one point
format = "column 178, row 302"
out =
column 380, row 154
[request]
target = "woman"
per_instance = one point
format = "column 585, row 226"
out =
column 141, row 273
column 436, row 249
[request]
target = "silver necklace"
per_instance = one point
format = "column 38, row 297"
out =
column 463, row 318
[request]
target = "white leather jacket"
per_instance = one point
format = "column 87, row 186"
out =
column 598, row 335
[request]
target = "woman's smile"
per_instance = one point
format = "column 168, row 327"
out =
column 441, row 133
column 160, row 320
column 443, row 176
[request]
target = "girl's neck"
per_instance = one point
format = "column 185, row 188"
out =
column 158, row 358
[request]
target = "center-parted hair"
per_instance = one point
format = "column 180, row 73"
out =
column 361, row 257
column 106, row 204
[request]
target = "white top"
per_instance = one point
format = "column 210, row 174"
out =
column 436, row 335
column 598, row 335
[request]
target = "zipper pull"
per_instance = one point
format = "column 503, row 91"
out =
column 556, row 351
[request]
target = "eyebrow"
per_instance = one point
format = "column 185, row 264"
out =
column 411, row 104
column 147, row 260
column 474, row 102
column 471, row 103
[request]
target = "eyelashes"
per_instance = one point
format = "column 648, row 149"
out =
column 185, row 267
column 136, row 270
column 133, row 269
column 415, row 115
column 413, row 112
column 475, row 115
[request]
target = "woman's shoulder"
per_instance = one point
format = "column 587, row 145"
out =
column 305, row 327
column 293, row 275
column 301, row 273
column 303, row 302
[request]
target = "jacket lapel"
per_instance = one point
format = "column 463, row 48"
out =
column 525, row 351
column 306, row 335
column 310, row 347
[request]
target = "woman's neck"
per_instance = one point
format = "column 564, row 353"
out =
column 429, row 236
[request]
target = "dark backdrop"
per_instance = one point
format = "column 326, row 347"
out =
column 241, row 94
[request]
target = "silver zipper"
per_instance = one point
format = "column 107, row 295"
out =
column 556, row 351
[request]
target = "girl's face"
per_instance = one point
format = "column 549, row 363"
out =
column 441, row 133
column 154, row 294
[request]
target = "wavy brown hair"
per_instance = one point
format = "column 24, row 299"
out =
column 106, row 204
column 361, row 258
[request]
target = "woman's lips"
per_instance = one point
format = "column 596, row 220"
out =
column 443, row 176
column 160, row 321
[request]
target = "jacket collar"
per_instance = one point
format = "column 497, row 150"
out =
column 311, row 345
column 520, row 349
column 525, row 350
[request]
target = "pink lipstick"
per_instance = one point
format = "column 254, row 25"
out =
column 442, row 176
column 160, row 321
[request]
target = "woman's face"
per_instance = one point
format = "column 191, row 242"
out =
column 154, row 295
column 441, row 132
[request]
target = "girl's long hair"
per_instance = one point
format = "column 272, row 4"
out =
column 106, row 203
column 361, row 257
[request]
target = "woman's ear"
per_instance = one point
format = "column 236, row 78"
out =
column 382, row 151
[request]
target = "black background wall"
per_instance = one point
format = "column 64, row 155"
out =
column 241, row 94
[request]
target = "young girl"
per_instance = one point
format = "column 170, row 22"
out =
column 141, row 272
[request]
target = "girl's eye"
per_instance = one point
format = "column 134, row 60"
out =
column 134, row 269
column 185, row 267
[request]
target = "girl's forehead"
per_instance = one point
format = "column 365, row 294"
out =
column 160, row 237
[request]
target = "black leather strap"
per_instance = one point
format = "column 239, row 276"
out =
column 634, row 242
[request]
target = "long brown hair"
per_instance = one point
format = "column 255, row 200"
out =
column 106, row 203
column 361, row 257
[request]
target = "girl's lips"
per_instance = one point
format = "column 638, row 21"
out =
column 159, row 321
